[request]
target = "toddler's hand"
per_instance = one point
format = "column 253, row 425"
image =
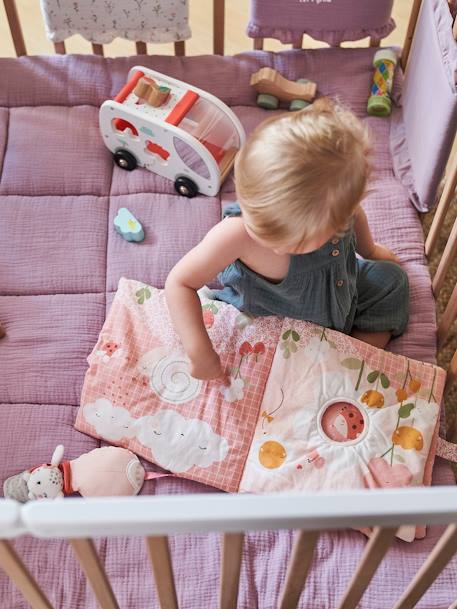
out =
column 381, row 252
column 208, row 367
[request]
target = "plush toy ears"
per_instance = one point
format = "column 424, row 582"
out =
column 15, row 487
column 57, row 455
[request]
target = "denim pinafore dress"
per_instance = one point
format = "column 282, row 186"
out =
column 330, row 287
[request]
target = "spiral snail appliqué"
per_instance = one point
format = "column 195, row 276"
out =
column 171, row 380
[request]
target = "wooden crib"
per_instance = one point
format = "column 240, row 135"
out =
column 156, row 518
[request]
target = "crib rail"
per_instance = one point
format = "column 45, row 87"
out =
column 155, row 518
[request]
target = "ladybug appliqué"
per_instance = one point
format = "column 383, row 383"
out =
column 342, row 422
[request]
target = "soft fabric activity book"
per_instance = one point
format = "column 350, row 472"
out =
column 307, row 408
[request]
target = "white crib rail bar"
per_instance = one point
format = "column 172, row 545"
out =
column 157, row 517
column 168, row 515
column 10, row 519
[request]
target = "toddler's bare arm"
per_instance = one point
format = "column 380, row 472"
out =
column 366, row 246
column 224, row 243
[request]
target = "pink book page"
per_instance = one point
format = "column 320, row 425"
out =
column 340, row 414
column 138, row 392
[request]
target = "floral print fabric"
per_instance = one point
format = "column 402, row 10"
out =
column 101, row 21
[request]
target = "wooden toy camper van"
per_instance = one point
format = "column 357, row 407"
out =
column 173, row 129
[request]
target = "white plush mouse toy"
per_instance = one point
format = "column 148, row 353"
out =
column 102, row 472
column 46, row 481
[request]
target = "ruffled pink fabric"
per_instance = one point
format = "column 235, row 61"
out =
column 332, row 37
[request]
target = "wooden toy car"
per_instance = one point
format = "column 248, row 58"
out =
column 273, row 88
column 173, row 129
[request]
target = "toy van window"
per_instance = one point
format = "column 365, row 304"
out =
column 121, row 126
column 210, row 125
column 191, row 158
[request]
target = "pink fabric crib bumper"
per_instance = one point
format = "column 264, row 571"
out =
column 307, row 409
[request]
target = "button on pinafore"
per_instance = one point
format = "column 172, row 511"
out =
column 329, row 286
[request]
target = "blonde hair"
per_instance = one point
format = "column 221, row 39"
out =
column 304, row 172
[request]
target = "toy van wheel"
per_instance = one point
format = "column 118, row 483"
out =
column 186, row 187
column 267, row 101
column 125, row 159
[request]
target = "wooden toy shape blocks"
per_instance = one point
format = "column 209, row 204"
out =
column 151, row 93
column 128, row 226
column 270, row 84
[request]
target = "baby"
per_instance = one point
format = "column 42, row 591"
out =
column 289, row 246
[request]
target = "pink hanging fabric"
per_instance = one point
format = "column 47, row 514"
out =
column 332, row 21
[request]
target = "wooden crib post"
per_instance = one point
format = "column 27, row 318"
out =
column 141, row 48
column 450, row 185
column 410, row 33
column 90, row 562
column 375, row 550
column 218, row 26
column 298, row 567
column 97, row 49
column 159, row 554
column 445, row 261
column 180, row 48
column 449, row 315
column 21, row 577
column 451, row 372
column 232, row 548
column 432, row 567
column 59, row 48
column 15, row 27
column 374, row 42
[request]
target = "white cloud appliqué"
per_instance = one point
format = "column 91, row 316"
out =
column 177, row 443
column 110, row 422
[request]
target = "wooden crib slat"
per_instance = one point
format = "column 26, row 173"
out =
column 230, row 570
column 258, row 44
column 141, row 48
column 218, row 26
column 442, row 207
column 97, row 49
column 374, row 42
column 438, row 558
column 15, row 27
column 450, row 313
column 298, row 567
column 21, row 577
column 375, row 550
column 159, row 554
column 297, row 44
column 90, row 563
column 410, row 33
column 180, row 48
column 59, row 48
column 446, row 260
column 451, row 372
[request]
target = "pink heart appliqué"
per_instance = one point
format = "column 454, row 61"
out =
column 384, row 475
